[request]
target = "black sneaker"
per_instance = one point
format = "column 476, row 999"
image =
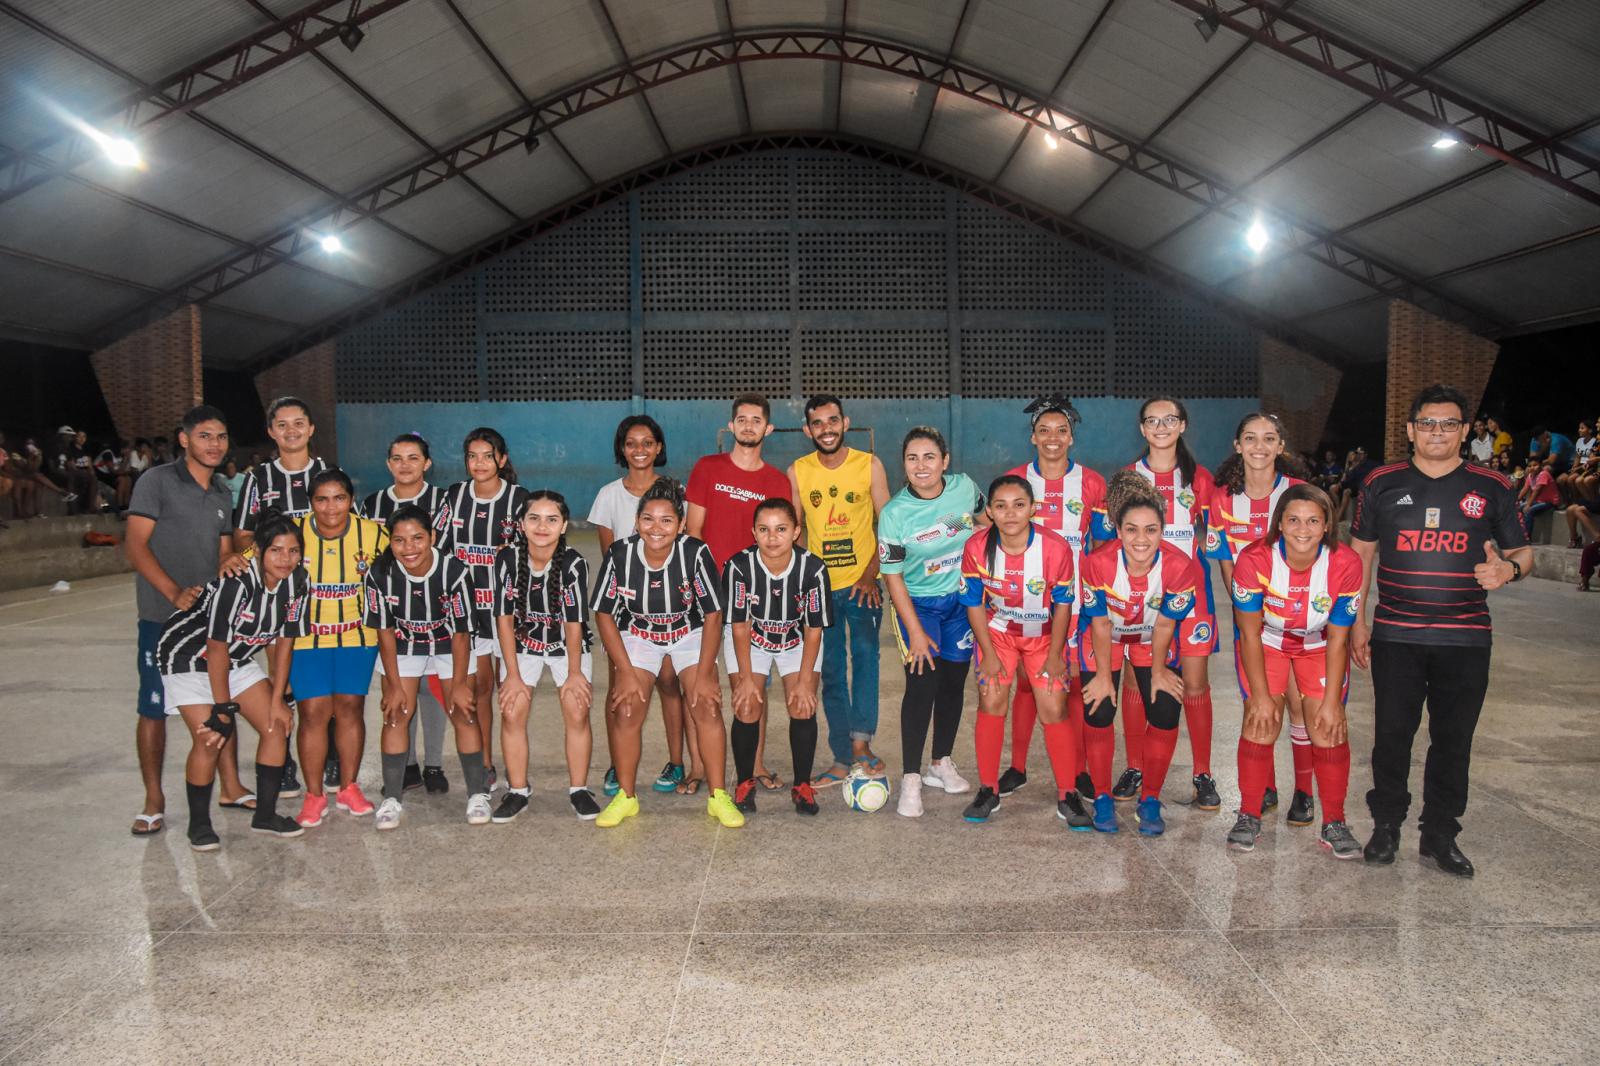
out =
column 277, row 825
column 744, row 796
column 434, row 781
column 291, row 787
column 584, row 805
column 1205, row 793
column 985, row 803
column 1070, row 810
column 1245, row 832
column 804, row 796
column 1084, row 784
column 204, row 839
column 413, row 777
column 1012, row 780
column 330, row 773
column 1302, row 811
column 511, row 805
column 1127, row 787
column 1269, row 800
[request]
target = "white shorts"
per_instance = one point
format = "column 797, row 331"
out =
column 532, row 668
column 194, row 690
column 648, row 656
column 762, row 661
column 440, row 664
column 482, row 646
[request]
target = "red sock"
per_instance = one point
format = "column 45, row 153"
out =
column 1300, row 745
column 1197, row 709
column 1100, row 744
column 1075, row 720
column 1159, row 744
column 1333, row 779
column 1255, row 775
column 1134, row 726
column 1023, row 713
column 989, row 736
column 437, row 689
column 1062, row 747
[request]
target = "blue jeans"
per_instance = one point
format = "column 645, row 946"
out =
column 152, row 693
column 850, row 704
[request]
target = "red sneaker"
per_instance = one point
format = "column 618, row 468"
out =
column 312, row 810
column 805, row 798
column 350, row 798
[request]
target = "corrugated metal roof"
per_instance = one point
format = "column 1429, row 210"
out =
column 925, row 24
column 230, row 341
column 790, row 94
column 1294, row 285
column 766, row 14
column 970, row 136
column 883, row 107
column 450, row 216
column 546, row 45
column 528, row 184
column 1135, row 211
column 1539, row 286
column 1544, row 68
column 1026, row 41
column 1363, row 331
column 1057, row 179
column 613, row 140
column 1414, row 32
column 38, row 73
column 150, row 39
column 54, row 300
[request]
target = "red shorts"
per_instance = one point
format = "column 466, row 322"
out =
column 1309, row 668
column 1028, row 652
column 1197, row 634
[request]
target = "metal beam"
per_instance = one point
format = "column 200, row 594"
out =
column 1409, row 92
column 220, row 72
column 1072, row 61
column 738, row 72
column 933, row 99
column 967, row 184
column 627, row 61
column 822, row 45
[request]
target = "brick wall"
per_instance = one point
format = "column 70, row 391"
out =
column 1299, row 389
column 1425, row 350
column 310, row 376
column 151, row 377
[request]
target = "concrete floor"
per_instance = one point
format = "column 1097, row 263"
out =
column 846, row 938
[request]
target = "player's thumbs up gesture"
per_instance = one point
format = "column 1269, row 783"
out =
column 1494, row 571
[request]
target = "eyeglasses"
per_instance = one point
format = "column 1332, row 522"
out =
column 1436, row 425
column 1162, row 421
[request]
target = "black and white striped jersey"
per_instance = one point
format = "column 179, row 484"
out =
column 777, row 606
column 662, row 606
column 424, row 612
column 270, row 485
column 242, row 613
column 474, row 531
column 540, row 608
column 381, row 504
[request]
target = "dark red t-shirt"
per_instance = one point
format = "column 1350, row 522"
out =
column 730, row 496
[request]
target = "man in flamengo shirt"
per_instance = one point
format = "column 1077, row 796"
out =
column 1431, row 526
column 723, row 492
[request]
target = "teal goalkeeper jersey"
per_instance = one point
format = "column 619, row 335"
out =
column 921, row 540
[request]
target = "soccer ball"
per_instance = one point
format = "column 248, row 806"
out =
column 865, row 793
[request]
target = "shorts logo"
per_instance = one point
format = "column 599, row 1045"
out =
column 1473, row 505
column 1320, row 604
column 1201, row 634
column 1430, row 518
column 966, row 641
column 1241, row 593
column 1213, row 540
column 815, row 497
column 1090, row 597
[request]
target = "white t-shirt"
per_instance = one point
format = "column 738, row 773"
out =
column 615, row 508
column 1482, row 448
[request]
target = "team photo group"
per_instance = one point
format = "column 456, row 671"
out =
column 1050, row 595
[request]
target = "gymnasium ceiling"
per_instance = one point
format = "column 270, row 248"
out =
column 411, row 148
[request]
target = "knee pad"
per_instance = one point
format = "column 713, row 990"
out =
column 1163, row 712
column 1101, row 715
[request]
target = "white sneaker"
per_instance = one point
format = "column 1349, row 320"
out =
column 389, row 814
column 478, row 809
column 942, row 774
column 910, row 796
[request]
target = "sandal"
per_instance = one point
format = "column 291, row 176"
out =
column 153, row 824
column 823, row 780
column 770, row 781
column 875, row 766
column 246, row 802
column 690, row 786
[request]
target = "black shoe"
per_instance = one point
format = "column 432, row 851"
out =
column 277, row 825
column 584, row 805
column 1302, row 811
column 1070, row 810
column 204, row 839
column 744, row 795
column 1205, row 793
column 804, row 797
column 511, row 805
column 434, row 781
column 1012, row 780
column 1382, row 845
column 413, row 777
column 330, row 773
column 1084, row 784
column 985, row 803
column 1269, row 800
column 1445, row 855
column 291, row 787
column 1127, row 787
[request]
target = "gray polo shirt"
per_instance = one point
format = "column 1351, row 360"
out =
column 190, row 524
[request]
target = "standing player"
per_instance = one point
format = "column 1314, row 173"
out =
column 1295, row 594
column 409, row 462
column 1072, row 503
column 476, row 519
column 656, row 600
column 210, row 677
column 839, row 492
column 420, row 602
column 640, row 448
column 1187, row 488
column 1137, row 592
column 778, row 604
column 1249, row 484
column 542, row 623
column 921, row 535
column 1430, row 526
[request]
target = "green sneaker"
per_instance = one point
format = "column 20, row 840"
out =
column 620, row 809
column 670, row 778
column 720, row 806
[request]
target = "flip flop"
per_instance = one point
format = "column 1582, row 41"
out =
column 246, row 802
column 770, row 781
column 153, row 824
column 690, row 786
column 875, row 766
column 823, row 780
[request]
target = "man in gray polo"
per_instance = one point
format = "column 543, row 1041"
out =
column 180, row 524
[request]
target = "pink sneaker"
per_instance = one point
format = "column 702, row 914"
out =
column 312, row 810
column 350, row 798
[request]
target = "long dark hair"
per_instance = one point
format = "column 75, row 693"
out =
column 385, row 563
column 1230, row 472
column 1305, row 491
column 493, row 439
column 1186, row 463
column 992, row 546
column 524, row 570
column 412, row 438
column 272, row 524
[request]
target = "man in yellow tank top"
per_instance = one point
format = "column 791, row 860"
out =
column 839, row 492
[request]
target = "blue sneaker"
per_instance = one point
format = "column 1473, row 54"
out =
column 611, row 786
column 670, row 778
column 1150, row 823
column 1105, row 814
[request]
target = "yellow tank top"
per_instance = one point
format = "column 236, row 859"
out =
column 837, row 508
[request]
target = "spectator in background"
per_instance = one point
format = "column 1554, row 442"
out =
column 1502, row 439
column 106, row 461
column 233, row 479
column 1538, row 493
column 161, row 451
column 71, row 463
column 1328, row 472
column 1554, row 450
column 1583, row 463
column 22, row 470
column 1357, row 466
column 1480, row 449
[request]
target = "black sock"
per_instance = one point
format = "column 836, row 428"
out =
column 394, row 775
column 473, row 770
column 745, row 737
column 199, row 806
column 916, row 709
column 269, row 780
column 333, row 746
column 803, row 743
column 947, row 706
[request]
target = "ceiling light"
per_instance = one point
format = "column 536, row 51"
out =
column 351, row 35
column 1207, row 25
column 531, row 141
column 121, row 151
column 1050, row 142
column 1256, row 237
column 331, row 244
column 1446, row 140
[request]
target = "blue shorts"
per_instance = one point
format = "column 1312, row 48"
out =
column 318, row 672
column 152, row 693
column 944, row 619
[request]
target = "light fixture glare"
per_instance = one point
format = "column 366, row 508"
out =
column 331, row 244
column 1446, row 140
column 1256, row 238
column 1050, row 142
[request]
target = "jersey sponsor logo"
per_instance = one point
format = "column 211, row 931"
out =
column 420, row 628
column 476, row 554
column 657, row 637
column 334, row 592
column 838, row 518
column 483, row 597
column 1201, row 634
column 1430, row 518
column 1075, row 506
column 993, row 583
column 929, row 535
column 1433, row 540
column 939, row 566
column 1179, row 601
column 330, row 629
column 292, row 614
column 1036, row 586
column 815, row 497
column 1474, row 506
column 1186, row 498
column 1321, row 604
column 738, row 493
column 1404, row 501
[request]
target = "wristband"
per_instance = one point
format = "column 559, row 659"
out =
column 1516, row 570
column 222, row 718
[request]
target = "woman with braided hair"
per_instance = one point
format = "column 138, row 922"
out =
column 542, row 623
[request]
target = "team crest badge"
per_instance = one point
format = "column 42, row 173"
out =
column 815, row 498
column 363, row 561
column 1075, row 506
column 1201, row 634
column 833, row 490
column 1035, row 586
column 1090, row 597
column 1241, row 593
column 1430, row 518
column 683, row 590
column 1179, row 602
column 1213, row 540
column 1186, row 498
column 1474, row 506
column 1321, row 604
column 850, row 497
